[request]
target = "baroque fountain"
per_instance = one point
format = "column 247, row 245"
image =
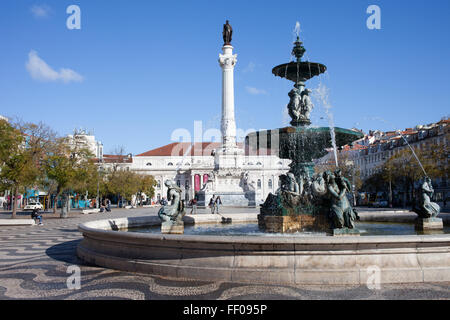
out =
column 286, row 252
column 305, row 201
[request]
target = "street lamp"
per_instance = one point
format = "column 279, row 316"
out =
column 100, row 169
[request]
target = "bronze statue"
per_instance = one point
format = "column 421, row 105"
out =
column 341, row 211
column 227, row 33
column 174, row 212
column 425, row 208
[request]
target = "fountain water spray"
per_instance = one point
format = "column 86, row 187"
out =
column 322, row 94
column 296, row 30
column 406, row 140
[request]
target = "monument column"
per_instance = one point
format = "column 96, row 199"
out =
column 227, row 61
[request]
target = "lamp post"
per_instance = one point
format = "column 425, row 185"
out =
column 100, row 169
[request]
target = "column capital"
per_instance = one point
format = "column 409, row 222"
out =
column 227, row 60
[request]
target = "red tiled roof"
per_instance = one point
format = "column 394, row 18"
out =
column 180, row 149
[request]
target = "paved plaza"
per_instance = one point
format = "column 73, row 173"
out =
column 35, row 260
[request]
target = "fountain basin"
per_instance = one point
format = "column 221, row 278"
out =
column 273, row 260
column 301, row 144
column 296, row 71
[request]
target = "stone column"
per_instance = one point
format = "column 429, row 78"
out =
column 227, row 61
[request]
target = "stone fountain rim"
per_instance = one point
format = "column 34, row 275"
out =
column 100, row 227
column 322, row 260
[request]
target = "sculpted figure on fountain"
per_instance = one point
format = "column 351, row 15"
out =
column 174, row 212
column 424, row 207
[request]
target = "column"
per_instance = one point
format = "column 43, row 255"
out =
column 227, row 61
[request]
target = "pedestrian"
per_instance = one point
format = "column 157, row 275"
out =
column 212, row 204
column 35, row 215
column 217, row 203
column 108, row 205
column 194, row 206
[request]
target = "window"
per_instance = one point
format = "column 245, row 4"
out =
column 270, row 183
column 178, row 183
column 259, row 164
column 170, row 164
column 148, row 164
column 259, row 184
column 186, row 184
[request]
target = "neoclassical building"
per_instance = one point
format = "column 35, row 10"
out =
column 192, row 165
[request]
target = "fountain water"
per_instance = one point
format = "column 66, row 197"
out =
column 322, row 94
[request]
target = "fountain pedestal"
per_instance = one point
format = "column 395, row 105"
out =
column 429, row 224
column 293, row 223
column 172, row 228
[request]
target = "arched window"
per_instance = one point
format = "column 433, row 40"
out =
column 170, row 164
column 259, row 183
column 259, row 164
column 148, row 164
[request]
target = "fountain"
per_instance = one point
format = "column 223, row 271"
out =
column 304, row 201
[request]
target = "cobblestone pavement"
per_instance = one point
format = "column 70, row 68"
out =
column 34, row 263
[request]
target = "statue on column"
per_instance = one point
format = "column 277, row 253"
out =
column 227, row 33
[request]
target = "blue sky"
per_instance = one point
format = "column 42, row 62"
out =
column 138, row 70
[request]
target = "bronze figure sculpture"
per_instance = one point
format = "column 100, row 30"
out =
column 227, row 33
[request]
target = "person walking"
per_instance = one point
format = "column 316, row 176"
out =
column 212, row 204
column 108, row 205
column 217, row 203
column 194, row 206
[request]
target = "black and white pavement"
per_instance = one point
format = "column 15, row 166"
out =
column 40, row 262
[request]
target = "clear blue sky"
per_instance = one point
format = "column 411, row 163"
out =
column 142, row 69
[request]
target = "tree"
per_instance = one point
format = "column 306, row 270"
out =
column 125, row 184
column 70, row 168
column 146, row 184
column 403, row 169
column 22, row 147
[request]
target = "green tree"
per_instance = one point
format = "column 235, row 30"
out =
column 69, row 167
column 22, row 147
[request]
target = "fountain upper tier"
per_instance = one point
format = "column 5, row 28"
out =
column 299, row 71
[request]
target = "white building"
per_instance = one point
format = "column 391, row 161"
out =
column 85, row 139
column 192, row 168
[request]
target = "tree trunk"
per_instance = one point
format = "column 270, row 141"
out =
column 14, row 203
column 55, row 203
